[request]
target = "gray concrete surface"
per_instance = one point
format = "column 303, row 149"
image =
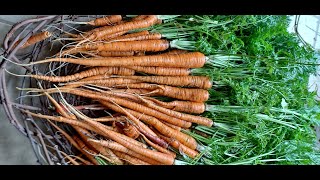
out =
column 15, row 148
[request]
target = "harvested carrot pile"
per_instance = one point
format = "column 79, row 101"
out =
column 136, row 94
column 162, row 90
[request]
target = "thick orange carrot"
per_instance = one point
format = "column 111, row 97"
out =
column 139, row 17
column 115, row 53
column 143, row 23
column 183, row 116
column 155, row 45
column 107, row 38
column 87, row 73
column 162, row 128
column 130, row 159
column 187, row 60
column 202, row 82
column 161, row 70
column 181, row 106
column 187, row 94
column 176, row 51
column 101, row 82
column 118, row 147
column 104, row 21
column 130, row 35
column 152, row 36
column 34, row 39
column 129, row 130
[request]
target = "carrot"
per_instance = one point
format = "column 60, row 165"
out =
column 139, row 17
column 130, row 35
column 138, row 124
column 87, row 73
column 152, row 36
column 69, row 158
column 118, row 147
column 161, row 70
column 85, row 150
column 104, row 151
column 172, row 126
column 153, row 45
column 74, row 143
column 181, row 106
column 34, row 39
column 102, row 82
column 183, row 138
column 107, row 119
column 187, row 60
column 129, row 130
column 115, row 53
column 130, row 159
column 143, row 109
column 182, row 148
column 187, row 94
column 84, row 126
column 161, row 157
column 176, row 51
column 143, row 23
column 202, row 82
column 159, row 148
column 108, row 20
column 107, row 38
column 141, row 92
column 187, row 117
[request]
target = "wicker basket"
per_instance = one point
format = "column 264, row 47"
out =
column 46, row 142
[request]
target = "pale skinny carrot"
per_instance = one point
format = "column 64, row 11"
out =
column 75, row 144
column 144, row 109
column 84, row 126
column 161, row 70
column 69, row 158
column 86, row 73
column 118, row 147
column 130, row 159
column 179, row 146
column 161, row 157
column 104, row 151
column 159, row 148
column 161, row 127
column 202, row 82
column 187, row 60
column 34, row 39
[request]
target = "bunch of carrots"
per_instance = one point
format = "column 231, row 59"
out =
column 143, row 82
